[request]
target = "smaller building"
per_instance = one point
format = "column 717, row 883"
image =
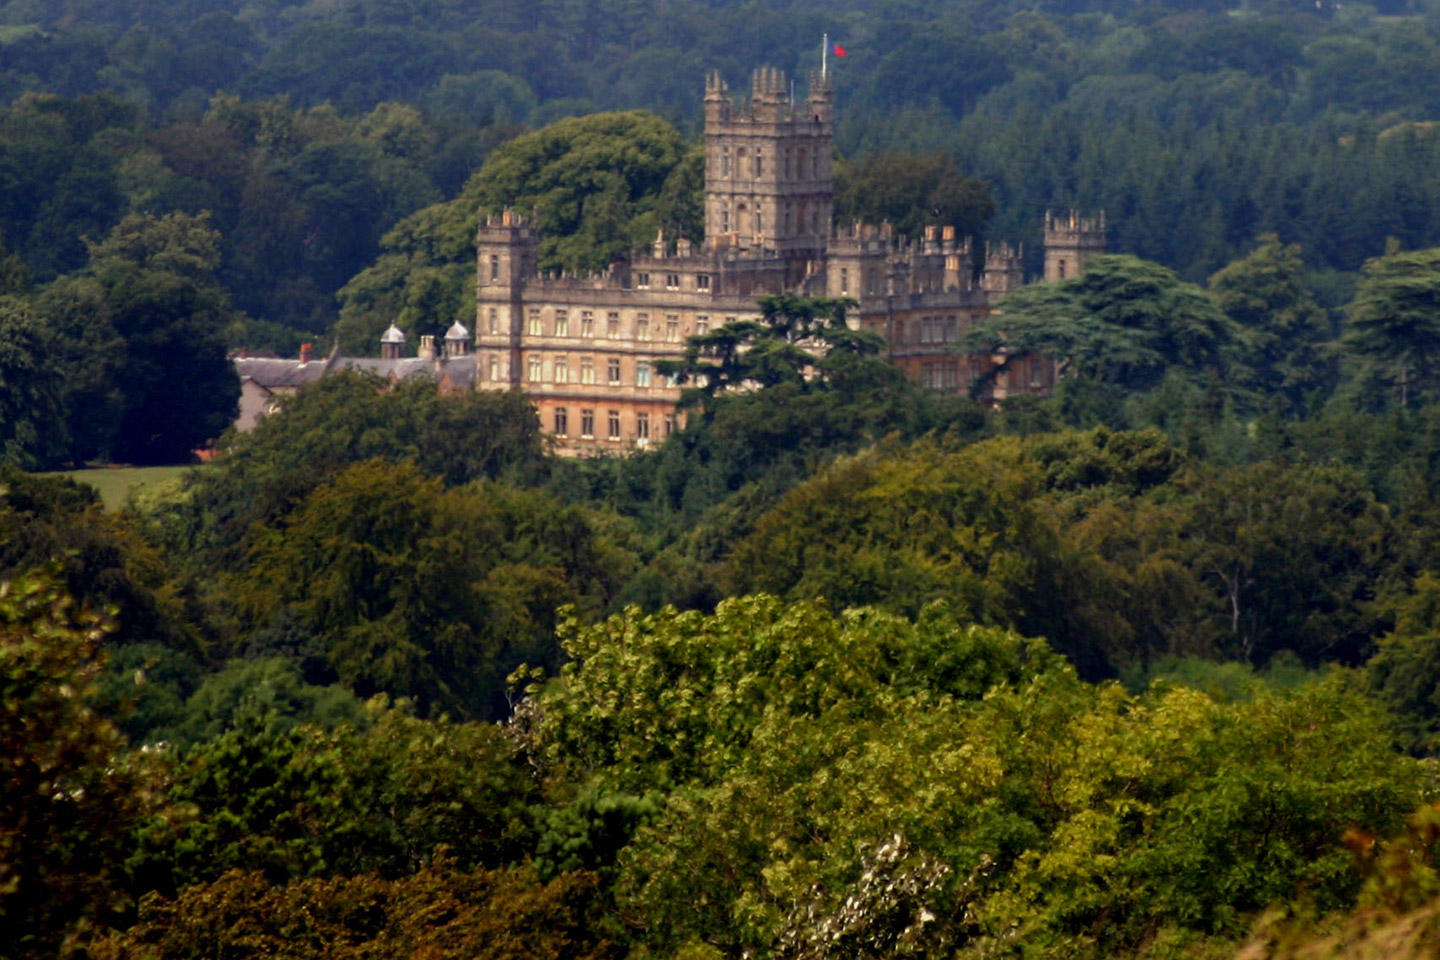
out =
column 264, row 380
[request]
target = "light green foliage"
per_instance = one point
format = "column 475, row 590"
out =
column 1124, row 320
column 590, row 182
column 272, row 687
column 69, row 793
column 800, row 752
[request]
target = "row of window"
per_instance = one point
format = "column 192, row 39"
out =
column 613, row 426
column 561, row 371
column 673, row 281
column 793, row 218
column 928, row 330
column 792, row 165
column 672, row 330
column 946, row 375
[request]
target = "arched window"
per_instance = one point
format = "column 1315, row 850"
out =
column 759, row 162
column 725, row 162
column 759, row 221
column 740, row 162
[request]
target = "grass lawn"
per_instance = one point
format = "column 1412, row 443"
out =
column 115, row 483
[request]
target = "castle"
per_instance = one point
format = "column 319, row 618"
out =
column 584, row 348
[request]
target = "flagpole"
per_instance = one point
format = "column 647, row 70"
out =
column 824, row 53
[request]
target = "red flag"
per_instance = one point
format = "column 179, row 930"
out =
column 839, row 50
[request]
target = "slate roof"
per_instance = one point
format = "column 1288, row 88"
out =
column 272, row 373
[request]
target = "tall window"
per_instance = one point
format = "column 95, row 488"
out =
column 587, row 324
column 562, row 323
column 535, row 329
column 800, row 163
column 725, row 162
column 672, row 281
column 669, row 424
column 614, row 425
column 642, row 427
column 642, row 326
column 787, row 163
column 642, row 280
column 494, row 267
column 494, row 320
column 587, row 423
column 844, row 280
column 494, row 367
column 759, row 221
column 587, row 369
column 562, row 369
column 612, row 326
column 672, row 328
column 642, row 373
column 612, row 370
column 562, row 422
column 759, row 162
column 724, row 217
column 535, row 369
column 702, row 325
column 702, row 281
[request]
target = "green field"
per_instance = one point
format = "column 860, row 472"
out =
column 116, row 483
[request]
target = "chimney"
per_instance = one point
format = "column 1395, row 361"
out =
column 307, row 351
column 427, row 347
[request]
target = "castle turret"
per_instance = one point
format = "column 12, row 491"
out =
column 457, row 341
column 392, row 343
column 507, row 257
column 1072, row 241
column 768, row 178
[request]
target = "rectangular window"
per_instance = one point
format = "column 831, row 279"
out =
column 562, row 323
column 642, row 326
column 587, row 369
column 587, row 324
column 562, row 422
column 614, row 424
column 844, row 280
column 672, row 328
column 587, row 423
column 494, row 320
column 669, row 424
column 642, row 427
column 642, row 373
column 642, row 280
column 702, row 325
column 672, row 281
column 494, row 267
column 535, row 329
column 612, row 370
column 562, row 369
column 494, row 367
column 612, row 326
column 702, row 281
column 535, row 369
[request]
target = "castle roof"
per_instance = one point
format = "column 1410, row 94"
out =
column 457, row 332
column 393, row 335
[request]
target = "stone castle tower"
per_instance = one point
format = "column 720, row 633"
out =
column 1072, row 241
column 768, row 166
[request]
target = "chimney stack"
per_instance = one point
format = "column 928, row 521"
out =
column 307, row 351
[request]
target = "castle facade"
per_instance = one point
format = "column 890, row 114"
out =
column 584, row 348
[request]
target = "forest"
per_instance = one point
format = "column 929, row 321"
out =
column 1148, row 669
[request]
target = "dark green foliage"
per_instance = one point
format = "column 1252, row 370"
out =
column 591, row 183
column 1124, row 321
column 912, row 192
